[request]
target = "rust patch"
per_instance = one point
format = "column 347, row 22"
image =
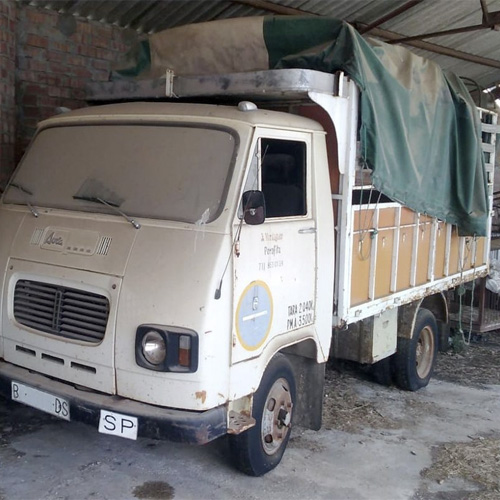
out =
column 201, row 395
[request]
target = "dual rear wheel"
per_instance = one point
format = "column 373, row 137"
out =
column 412, row 366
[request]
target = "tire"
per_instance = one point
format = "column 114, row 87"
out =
column 260, row 449
column 415, row 358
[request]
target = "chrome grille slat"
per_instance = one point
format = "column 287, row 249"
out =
column 62, row 311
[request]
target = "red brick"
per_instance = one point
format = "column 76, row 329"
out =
column 84, row 27
column 61, row 47
column 31, row 111
column 100, row 76
column 35, row 52
column 87, row 51
column 59, row 68
column 102, row 30
column 30, row 100
column 77, row 94
column 101, row 42
column 38, row 17
column 77, row 83
column 35, row 65
column 34, row 89
column 105, row 54
column 37, row 41
column 26, row 76
column 54, row 92
column 47, row 100
column 99, row 64
column 81, row 72
column 76, row 60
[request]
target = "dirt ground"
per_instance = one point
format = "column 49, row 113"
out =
column 377, row 443
column 476, row 364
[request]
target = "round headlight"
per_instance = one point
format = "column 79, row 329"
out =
column 154, row 348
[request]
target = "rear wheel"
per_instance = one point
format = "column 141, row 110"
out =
column 415, row 358
column 261, row 448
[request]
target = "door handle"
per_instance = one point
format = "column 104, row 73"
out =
column 307, row 230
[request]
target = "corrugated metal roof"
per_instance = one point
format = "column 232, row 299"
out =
column 149, row 16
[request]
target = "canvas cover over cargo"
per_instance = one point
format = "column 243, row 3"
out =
column 419, row 131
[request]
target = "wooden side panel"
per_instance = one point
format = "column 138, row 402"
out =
column 407, row 216
column 385, row 246
column 424, row 248
column 395, row 252
column 404, row 260
column 360, row 275
column 480, row 243
column 454, row 252
column 386, row 217
column 363, row 219
column 440, row 254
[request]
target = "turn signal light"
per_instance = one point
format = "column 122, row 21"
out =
column 184, row 350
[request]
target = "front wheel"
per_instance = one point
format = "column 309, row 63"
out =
column 415, row 358
column 261, row 448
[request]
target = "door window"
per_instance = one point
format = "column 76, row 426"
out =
column 283, row 177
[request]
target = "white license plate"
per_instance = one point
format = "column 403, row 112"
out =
column 55, row 405
column 117, row 424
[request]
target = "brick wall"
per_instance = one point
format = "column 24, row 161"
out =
column 57, row 55
column 7, row 72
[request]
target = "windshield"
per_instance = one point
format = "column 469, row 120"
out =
column 175, row 172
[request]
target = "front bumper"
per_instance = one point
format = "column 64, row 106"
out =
column 153, row 421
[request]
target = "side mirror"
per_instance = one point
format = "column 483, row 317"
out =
column 254, row 207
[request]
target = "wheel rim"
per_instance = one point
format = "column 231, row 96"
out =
column 425, row 352
column 276, row 417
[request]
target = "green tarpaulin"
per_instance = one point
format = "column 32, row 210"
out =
column 420, row 131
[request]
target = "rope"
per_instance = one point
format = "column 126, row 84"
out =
column 364, row 228
column 461, row 293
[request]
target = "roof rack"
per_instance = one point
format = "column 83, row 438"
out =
column 278, row 84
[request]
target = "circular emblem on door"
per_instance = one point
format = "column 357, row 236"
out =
column 254, row 315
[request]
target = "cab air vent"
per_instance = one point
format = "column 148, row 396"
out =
column 36, row 237
column 104, row 244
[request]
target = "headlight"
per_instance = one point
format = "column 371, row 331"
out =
column 154, row 348
column 166, row 348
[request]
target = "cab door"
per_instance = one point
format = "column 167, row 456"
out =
column 275, row 262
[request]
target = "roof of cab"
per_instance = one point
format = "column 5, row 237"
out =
column 158, row 111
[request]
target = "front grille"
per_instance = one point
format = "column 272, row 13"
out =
column 66, row 312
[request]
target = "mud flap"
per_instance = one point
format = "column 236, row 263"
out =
column 310, row 380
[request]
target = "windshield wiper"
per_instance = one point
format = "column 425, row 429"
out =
column 33, row 210
column 113, row 206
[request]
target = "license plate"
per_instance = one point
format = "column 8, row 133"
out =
column 55, row 405
column 117, row 424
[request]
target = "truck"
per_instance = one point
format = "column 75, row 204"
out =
column 181, row 264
